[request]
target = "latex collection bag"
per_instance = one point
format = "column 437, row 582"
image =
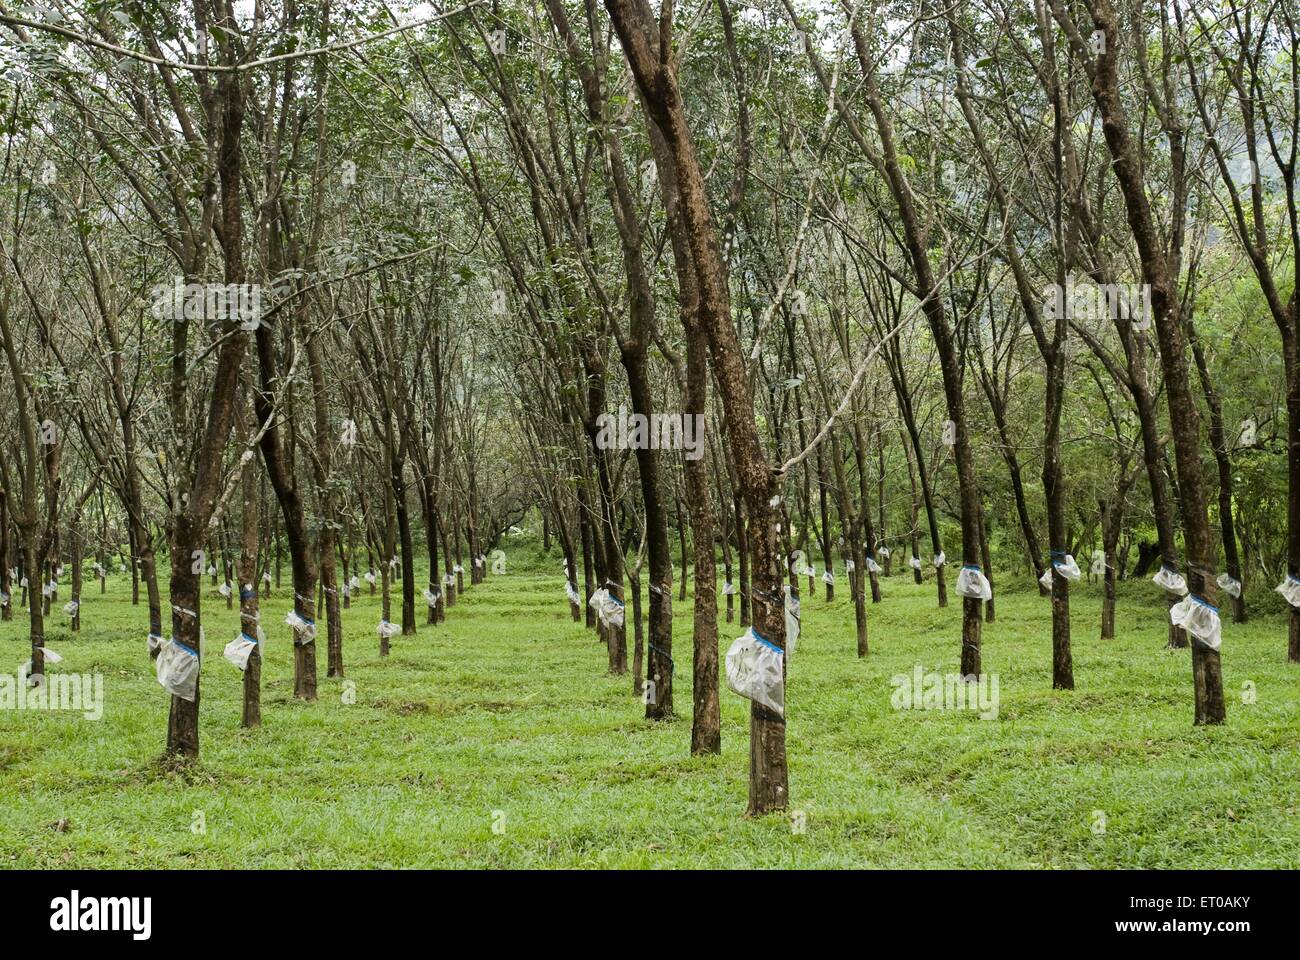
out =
column 755, row 670
column 972, row 583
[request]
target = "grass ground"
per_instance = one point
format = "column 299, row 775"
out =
column 505, row 716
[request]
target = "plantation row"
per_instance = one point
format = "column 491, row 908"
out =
column 797, row 297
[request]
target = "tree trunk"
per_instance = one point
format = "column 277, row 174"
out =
column 683, row 179
column 706, row 717
column 1184, row 417
column 249, row 608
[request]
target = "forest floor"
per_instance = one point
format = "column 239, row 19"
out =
column 498, row 740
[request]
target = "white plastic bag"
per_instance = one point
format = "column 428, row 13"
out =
column 872, row 566
column 972, row 583
column 1246, row 438
column 388, row 629
column 224, row 589
column 828, row 578
column 949, row 433
column 1045, row 581
column 240, row 649
column 354, row 582
column 755, row 670
column 178, row 669
column 458, row 569
column 611, row 610
column 600, row 596
column 155, row 641
column 1067, row 567
column 430, row 597
column 71, row 607
column 1171, row 580
column 792, row 621
column 850, row 566
column 940, row 559
column 304, row 630
column 1098, row 563
column 728, row 588
column 915, row 563
column 1290, row 590
column 571, row 592
column 1228, row 585
column 882, row 552
column 50, row 656
column 1200, row 619
column 370, row 577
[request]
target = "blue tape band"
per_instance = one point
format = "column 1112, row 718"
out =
column 766, row 642
column 672, row 667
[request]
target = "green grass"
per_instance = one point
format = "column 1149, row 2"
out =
column 507, row 707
